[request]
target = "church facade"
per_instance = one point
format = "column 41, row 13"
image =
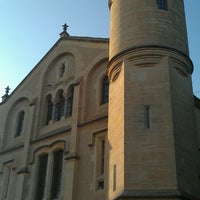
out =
column 105, row 119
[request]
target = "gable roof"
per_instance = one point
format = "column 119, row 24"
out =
column 65, row 38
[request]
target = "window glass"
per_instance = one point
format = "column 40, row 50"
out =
column 100, row 162
column 57, row 174
column 147, row 116
column 162, row 4
column 49, row 105
column 59, row 109
column 20, row 124
column 105, row 90
column 43, row 160
column 69, row 101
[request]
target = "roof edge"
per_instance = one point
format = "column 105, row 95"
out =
column 76, row 38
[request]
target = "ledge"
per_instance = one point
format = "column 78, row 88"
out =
column 148, row 194
column 92, row 120
column 52, row 134
column 71, row 156
column 150, row 47
column 23, row 171
column 13, row 148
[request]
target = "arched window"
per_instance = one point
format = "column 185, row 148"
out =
column 60, row 103
column 105, row 90
column 49, row 105
column 20, row 123
column 70, row 94
column 162, row 4
column 49, row 168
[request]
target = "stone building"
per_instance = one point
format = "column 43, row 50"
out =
column 100, row 119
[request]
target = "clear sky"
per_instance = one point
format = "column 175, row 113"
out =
column 29, row 28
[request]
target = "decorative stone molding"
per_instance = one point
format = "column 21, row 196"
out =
column 78, row 81
column 33, row 101
column 46, row 148
column 180, row 67
column 110, row 3
column 51, row 133
column 114, row 71
column 149, row 56
column 145, row 59
column 71, row 156
column 13, row 148
column 91, row 145
column 23, row 171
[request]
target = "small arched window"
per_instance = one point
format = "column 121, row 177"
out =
column 162, row 4
column 60, row 103
column 49, row 109
column 105, row 90
column 70, row 95
column 20, row 123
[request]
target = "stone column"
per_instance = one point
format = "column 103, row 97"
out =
column 53, row 112
column 27, row 136
column 47, row 194
column 34, row 179
column 65, row 108
column 72, row 158
column 5, row 180
column 19, row 186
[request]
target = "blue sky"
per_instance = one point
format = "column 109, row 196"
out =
column 29, row 28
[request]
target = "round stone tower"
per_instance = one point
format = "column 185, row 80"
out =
column 147, row 22
column 153, row 150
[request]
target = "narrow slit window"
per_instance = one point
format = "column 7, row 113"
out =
column 162, row 4
column 100, row 162
column 102, row 156
column 147, row 116
column 114, row 177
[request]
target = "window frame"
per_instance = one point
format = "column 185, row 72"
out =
column 50, row 153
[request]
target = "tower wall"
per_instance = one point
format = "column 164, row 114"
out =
column 149, row 61
column 136, row 23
